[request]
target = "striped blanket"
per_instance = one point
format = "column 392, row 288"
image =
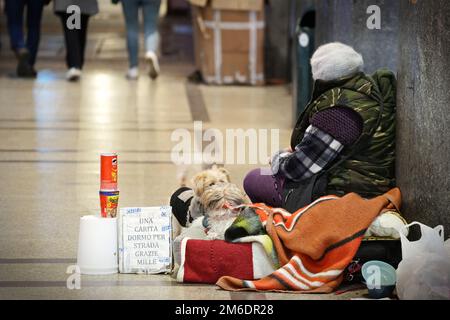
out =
column 315, row 244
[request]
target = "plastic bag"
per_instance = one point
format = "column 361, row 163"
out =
column 387, row 224
column 447, row 246
column 424, row 272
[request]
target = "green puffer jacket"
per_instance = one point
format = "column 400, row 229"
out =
column 367, row 167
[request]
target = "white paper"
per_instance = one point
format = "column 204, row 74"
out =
column 145, row 240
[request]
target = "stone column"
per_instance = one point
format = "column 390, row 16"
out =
column 346, row 21
column 302, row 13
column 277, row 41
column 423, row 125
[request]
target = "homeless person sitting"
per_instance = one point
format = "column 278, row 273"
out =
column 343, row 142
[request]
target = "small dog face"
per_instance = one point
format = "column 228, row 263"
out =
column 218, row 203
column 208, row 178
column 222, row 197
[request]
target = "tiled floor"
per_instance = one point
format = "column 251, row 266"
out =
column 51, row 133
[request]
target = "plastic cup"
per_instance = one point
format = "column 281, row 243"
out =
column 109, row 201
column 97, row 246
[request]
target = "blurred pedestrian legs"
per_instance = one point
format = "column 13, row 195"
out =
column 150, row 12
column 25, row 47
column 75, row 37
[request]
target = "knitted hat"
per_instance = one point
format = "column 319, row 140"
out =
column 334, row 61
column 180, row 202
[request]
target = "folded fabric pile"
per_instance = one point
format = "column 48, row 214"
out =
column 315, row 244
column 199, row 260
column 205, row 261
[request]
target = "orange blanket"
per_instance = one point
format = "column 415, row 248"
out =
column 315, row 244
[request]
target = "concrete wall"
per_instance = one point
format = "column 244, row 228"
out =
column 414, row 40
column 346, row 21
column 423, row 135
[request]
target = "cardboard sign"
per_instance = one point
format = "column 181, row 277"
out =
column 145, row 240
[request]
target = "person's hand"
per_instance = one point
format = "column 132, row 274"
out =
column 287, row 150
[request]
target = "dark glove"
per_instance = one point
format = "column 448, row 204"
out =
column 115, row 1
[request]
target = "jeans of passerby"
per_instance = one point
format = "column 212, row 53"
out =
column 150, row 11
column 15, row 13
column 75, row 40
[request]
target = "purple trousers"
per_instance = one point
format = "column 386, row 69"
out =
column 262, row 188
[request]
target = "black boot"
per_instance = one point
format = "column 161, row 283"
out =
column 24, row 70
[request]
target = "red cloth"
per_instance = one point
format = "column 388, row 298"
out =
column 207, row 261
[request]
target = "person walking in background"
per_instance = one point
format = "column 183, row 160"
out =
column 25, row 49
column 150, row 11
column 75, row 38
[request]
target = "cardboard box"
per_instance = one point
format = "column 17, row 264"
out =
column 229, row 40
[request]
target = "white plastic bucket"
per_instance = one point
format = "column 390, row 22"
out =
column 97, row 245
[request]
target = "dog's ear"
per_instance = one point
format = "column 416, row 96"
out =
column 199, row 184
column 225, row 172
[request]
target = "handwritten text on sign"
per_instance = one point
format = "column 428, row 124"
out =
column 145, row 240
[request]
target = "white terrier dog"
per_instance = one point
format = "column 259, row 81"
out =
column 219, row 203
column 199, row 184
